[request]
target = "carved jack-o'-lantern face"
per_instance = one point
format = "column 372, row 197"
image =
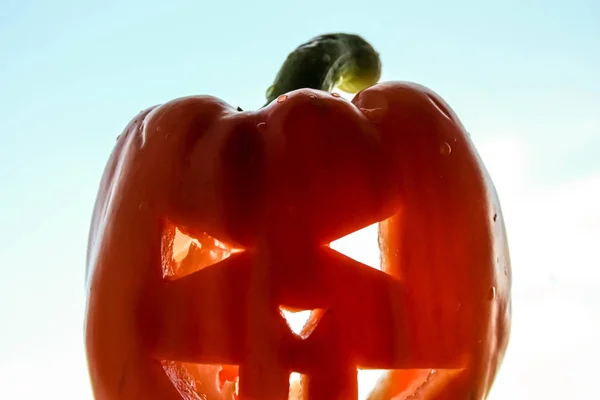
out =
column 214, row 221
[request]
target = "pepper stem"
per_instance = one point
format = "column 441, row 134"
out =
column 334, row 60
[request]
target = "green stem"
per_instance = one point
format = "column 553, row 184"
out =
column 334, row 60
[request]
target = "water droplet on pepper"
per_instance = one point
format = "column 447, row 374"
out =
column 282, row 98
column 492, row 293
column 335, row 94
column 261, row 127
column 445, row 149
column 373, row 114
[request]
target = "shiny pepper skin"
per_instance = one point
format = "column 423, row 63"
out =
column 275, row 187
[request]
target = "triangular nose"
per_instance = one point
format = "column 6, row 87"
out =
column 297, row 320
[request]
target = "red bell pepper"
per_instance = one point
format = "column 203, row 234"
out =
column 261, row 195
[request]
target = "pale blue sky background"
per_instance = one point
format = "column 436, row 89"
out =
column 522, row 76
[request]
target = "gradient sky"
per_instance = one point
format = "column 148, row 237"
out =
column 522, row 76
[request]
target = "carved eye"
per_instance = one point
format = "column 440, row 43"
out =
column 183, row 254
column 361, row 246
